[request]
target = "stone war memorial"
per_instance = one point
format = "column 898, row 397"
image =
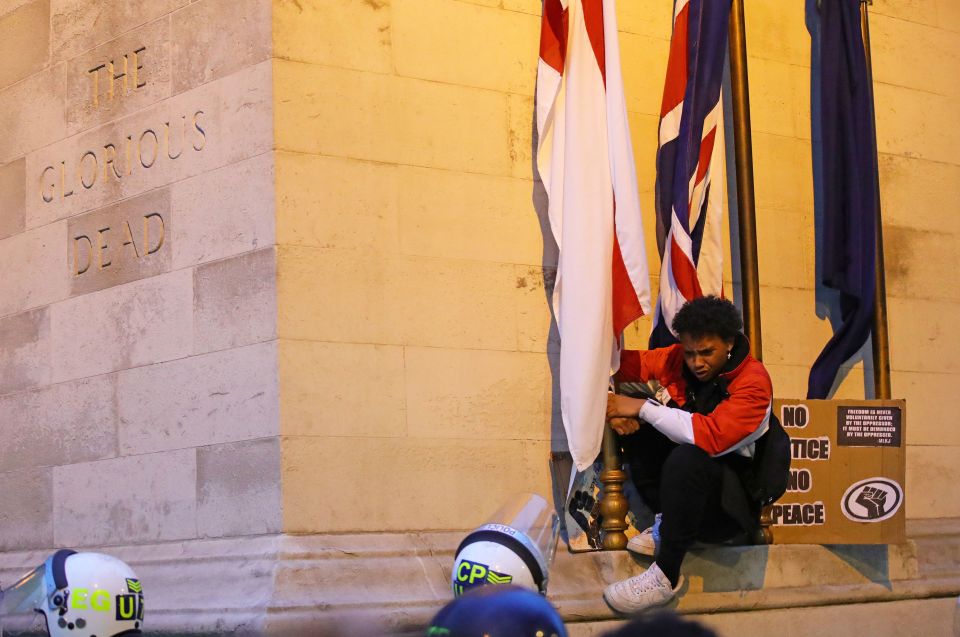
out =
column 275, row 321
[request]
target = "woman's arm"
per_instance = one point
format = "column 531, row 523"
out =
column 736, row 422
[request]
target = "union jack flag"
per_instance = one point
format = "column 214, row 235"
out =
column 690, row 160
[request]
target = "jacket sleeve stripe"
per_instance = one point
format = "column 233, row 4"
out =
column 675, row 424
column 745, row 446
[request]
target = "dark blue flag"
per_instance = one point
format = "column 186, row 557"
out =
column 848, row 196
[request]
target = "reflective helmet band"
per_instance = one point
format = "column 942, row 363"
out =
column 515, row 545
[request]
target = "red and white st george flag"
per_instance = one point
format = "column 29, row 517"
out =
column 585, row 160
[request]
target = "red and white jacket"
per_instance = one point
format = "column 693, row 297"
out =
column 732, row 427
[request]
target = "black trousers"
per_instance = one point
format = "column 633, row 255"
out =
column 685, row 484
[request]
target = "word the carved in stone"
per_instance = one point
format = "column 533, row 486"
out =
column 131, row 65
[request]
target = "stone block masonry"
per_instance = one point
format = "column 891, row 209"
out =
column 138, row 352
column 276, row 285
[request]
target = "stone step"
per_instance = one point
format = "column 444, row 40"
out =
column 734, row 578
column 285, row 584
column 920, row 617
column 938, row 546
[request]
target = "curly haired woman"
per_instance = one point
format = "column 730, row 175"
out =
column 690, row 454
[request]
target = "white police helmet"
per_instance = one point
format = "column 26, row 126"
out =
column 515, row 547
column 80, row 595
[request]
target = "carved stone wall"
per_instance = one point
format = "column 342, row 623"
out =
column 138, row 352
column 275, row 267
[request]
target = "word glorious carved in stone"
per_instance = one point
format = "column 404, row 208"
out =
column 136, row 152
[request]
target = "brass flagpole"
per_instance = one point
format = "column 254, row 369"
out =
column 880, row 340
column 613, row 506
column 746, row 208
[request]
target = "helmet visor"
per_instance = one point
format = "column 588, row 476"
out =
column 26, row 594
column 536, row 521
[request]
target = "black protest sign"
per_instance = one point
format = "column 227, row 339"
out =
column 868, row 426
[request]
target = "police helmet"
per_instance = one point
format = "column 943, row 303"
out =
column 80, row 595
column 515, row 547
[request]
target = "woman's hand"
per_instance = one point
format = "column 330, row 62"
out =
column 619, row 406
column 624, row 426
column 622, row 412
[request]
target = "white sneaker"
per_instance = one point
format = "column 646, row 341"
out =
column 637, row 594
column 646, row 542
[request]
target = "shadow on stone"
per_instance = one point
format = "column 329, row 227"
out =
column 870, row 560
column 728, row 568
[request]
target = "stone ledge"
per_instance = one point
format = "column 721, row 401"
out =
column 290, row 585
column 933, row 527
column 886, row 619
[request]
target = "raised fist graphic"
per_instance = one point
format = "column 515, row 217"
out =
column 874, row 500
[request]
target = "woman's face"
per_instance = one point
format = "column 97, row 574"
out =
column 705, row 355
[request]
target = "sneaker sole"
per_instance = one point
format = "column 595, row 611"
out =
column 641, row 549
